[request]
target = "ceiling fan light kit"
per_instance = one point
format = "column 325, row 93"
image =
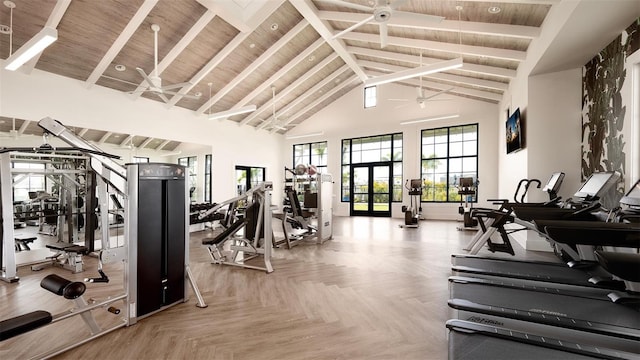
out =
column 31, row 48
column 381, row 13
column 232, row 112
column 411, row 73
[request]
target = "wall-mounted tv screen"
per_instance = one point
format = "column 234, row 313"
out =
column 514, row 132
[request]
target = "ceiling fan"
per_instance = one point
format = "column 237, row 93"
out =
column 422, row 100
column 153, row 80
column 380, row 14
column 275, row 124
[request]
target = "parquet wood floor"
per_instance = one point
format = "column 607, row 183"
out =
column 375, row 291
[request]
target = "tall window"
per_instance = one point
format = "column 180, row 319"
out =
column 311, row 153
column 448, row 154
column 191, row 163
column 370, row 96
column 248, row 177
column 372, row 149
column 207, row 178
column 30, row 182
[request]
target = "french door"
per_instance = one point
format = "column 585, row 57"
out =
column 371, row 189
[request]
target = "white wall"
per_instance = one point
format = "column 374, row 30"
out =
column 346, row 118
column 42, row 94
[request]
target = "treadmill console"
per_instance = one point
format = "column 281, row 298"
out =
column 597, row 184
column 632, row 197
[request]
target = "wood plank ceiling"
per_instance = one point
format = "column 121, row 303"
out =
column 232, row 53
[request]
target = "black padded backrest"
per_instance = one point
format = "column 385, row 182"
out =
column 295, row 203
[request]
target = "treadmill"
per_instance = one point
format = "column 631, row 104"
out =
column 556, row 272
column 472, row 341
column 492, row 220
column 597, row 323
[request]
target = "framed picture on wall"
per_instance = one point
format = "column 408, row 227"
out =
column 514, row 135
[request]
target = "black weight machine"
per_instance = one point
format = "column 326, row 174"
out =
column 154, row 251
column 466, row 189
column 413, row 212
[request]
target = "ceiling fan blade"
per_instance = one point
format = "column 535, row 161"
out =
column 401, row 16
column 384, row 35
column 401, row 106
column 138, row 92
column 176, row 86
column 145, row 77
column 437, row 93
column 348, row 5
column 353, row 27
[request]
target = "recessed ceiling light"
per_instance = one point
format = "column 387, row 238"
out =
column 116, row 136
column 311, row 58
column 198, row 94
column 274, row 26
column 252, row 45
column 120, row 67
column 494, row 9
column 4, row 29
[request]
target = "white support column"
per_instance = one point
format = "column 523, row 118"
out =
column 6, row 196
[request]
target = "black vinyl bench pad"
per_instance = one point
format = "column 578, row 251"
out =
column 23, row 323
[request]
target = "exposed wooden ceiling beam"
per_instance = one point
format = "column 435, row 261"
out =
column 438, row 76
column 52, row 22
column 313, row 91
column 124, row 142
column 479, row 28
column 348, row 82
column 105, row 137
column 481, row 69
column 278, row 74
column 283, row 92
column 162, row 144
column 178, row 48
column 310, row 12
column 205, row 70
column 23, row 127
column 271, row 51
column 487, row 95
column 121, row 41
column 496, row 53
column 146, row 142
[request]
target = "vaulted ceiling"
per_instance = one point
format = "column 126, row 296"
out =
column 229, row 54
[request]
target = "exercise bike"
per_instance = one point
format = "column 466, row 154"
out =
column 413, row 213
column 467, row 190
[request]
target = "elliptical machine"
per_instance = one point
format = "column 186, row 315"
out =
column 414, row 211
